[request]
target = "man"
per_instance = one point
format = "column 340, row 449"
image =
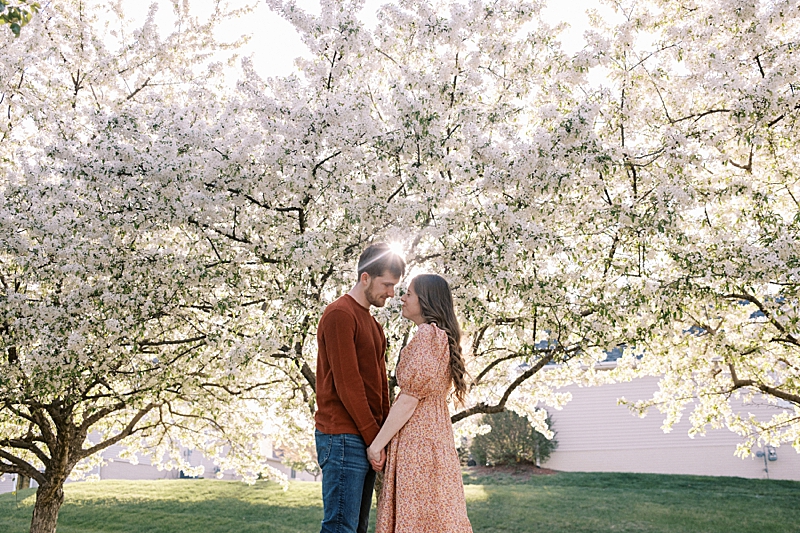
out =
column 353, row 390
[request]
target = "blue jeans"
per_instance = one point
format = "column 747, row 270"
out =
column 347, row 482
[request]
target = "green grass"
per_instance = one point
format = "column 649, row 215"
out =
column 583, row 502
column 565, row 502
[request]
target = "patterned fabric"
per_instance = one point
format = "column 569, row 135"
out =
column 422, row 490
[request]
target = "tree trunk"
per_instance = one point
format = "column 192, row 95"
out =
column 378, row 486
column 23, row 482
column 45, row 512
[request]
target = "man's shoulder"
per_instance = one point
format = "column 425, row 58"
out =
column 341, row 303
column 339, row 309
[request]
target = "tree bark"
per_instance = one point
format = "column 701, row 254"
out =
column 45, row 512
column 378, row 486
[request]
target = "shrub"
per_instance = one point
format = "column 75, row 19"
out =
column 512, row 440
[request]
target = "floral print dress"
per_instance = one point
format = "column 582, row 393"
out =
column 422, row 490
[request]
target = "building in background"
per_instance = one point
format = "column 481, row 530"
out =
column 116, row 468
column 596, row 435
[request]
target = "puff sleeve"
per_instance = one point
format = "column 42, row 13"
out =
column 424, row 362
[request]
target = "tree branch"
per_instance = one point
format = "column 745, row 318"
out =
column 173, row 342
column 16, row 465
column 788, row 337
column 491, row 365
column 22, row 444
column 142, row 86
column 763, row 387
column 129, row 429
column 698, row 116
column 781, row 117
column 501, row 405
column 100, row 414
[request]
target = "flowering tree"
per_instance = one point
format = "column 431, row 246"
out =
column 449, row 130
column 168, row 245
column 701, row 107
column 573, row 216
column 117, row 319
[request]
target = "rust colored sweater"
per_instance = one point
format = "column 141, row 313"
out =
column 352, row 387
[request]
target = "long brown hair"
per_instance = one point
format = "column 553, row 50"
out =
column 436, row 304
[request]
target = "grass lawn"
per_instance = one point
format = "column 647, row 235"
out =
column 560, row 503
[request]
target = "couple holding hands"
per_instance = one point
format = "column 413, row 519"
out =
column 358, row 434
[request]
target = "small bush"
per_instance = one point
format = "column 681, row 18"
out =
column 512, row 440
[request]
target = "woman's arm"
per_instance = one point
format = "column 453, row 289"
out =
column 399, row 414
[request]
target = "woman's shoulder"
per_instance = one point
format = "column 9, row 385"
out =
column 431, row 334
column 430, row 329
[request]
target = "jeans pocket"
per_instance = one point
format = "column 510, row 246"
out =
column 324, row 445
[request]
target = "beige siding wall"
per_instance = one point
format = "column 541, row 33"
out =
column 597, row 435
column 7, row 483
column 122, row 469
column 116, row 468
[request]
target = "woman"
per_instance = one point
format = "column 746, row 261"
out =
column 422, row 490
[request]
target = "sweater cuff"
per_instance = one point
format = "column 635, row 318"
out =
column 369, row 434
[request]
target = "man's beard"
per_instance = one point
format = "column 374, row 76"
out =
column 372, row 298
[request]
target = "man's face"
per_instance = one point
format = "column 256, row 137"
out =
column 380, row 288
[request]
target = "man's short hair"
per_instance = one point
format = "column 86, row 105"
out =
column 378, row 259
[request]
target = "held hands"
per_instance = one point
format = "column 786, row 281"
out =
column 376, row 458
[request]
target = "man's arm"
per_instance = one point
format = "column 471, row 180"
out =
column 338, row 334
column 385, row 378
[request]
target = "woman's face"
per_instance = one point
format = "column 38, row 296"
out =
column 411, row 308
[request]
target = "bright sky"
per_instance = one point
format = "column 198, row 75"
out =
column 274, row 43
